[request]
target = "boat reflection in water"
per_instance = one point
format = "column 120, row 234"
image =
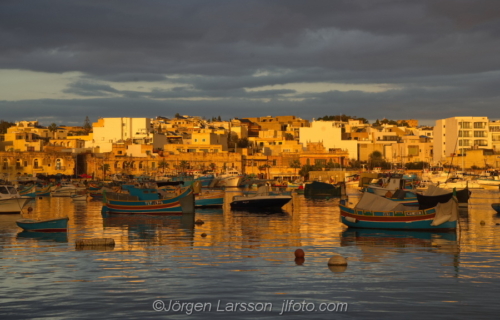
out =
column 149, row 227
column 398, row 238
column 377, row 245
column 45, row 236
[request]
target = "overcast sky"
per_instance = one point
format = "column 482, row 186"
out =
column 61, row 61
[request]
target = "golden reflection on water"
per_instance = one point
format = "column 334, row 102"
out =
column 308, row 223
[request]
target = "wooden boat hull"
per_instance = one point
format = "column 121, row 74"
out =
column 171, row 206
column 210, row 200
column 395, row 220
column 54, row 225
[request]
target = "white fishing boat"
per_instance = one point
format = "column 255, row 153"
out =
column 66, row 189
column 231, row 178
column 10, row 200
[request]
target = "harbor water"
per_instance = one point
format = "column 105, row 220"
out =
column 241, row 265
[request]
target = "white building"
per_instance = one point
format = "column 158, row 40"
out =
column 457, row 134
column 107, row 131
column 330, row 133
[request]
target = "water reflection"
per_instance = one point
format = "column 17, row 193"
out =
column 248, row 256
column 44, row 236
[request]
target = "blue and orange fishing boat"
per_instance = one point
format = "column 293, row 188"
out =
column 53, row 225
column 375, row 212
column 148, row 201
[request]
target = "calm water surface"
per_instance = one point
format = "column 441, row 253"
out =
column 248, row 258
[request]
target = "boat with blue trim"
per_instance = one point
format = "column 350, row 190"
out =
column 52, row 225
column 148, row 201
column 375, row 212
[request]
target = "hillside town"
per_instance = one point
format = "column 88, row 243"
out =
column 269, row 147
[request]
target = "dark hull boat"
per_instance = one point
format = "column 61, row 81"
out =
column 262, row 199
column 431, row 200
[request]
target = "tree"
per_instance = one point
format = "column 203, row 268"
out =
column 242, row 143
column 163, row 164
column 183, row 164
column 53, row 128
column 4, row 125
column 289, row 136
column 105, row 168
column 87, row 126
column 295, row 163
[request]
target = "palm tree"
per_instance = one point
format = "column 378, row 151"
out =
column 183, row 164
column 52, row 128
column 295, row 163
column 164, row 164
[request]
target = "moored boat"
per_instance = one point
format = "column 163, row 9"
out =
column 261, row 199
column 322, row 189
column 434, row 195
column 10, row 200
column 375, row 212
column 496, row 206
column 149, row 201
column 52, row 225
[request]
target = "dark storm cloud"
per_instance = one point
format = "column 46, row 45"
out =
column 439, row 56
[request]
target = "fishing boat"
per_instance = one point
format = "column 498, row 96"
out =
column 44, row 191
column 53, row 225
column 148, row 201
column 322, row 189
column 10, row 199
column 79, row 197
column 261, row 199
column 496, row 206
column 375, row 212
column 230, row 178
column 207, row 198
column 434, row 195
column 66, row 189
column 28, row 191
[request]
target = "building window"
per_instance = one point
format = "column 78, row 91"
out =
column 320, row 162
column 463, row 133
column 479, row 125
column 480, row 134
column 58, row 164
column 481, row 143
column 463, row 142
column 465, row 125
column 413, row 150
column 195, row 140
column 35, row 163
column 203, row 140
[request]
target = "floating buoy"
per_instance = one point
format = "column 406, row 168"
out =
column 95, row 242
column 30, row 209
column 299, row 253
column 199, row 221
column 482, row 222
column 203, row 234
column 337, row 260
column 299, row 261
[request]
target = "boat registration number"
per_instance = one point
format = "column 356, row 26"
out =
column 153, row 202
